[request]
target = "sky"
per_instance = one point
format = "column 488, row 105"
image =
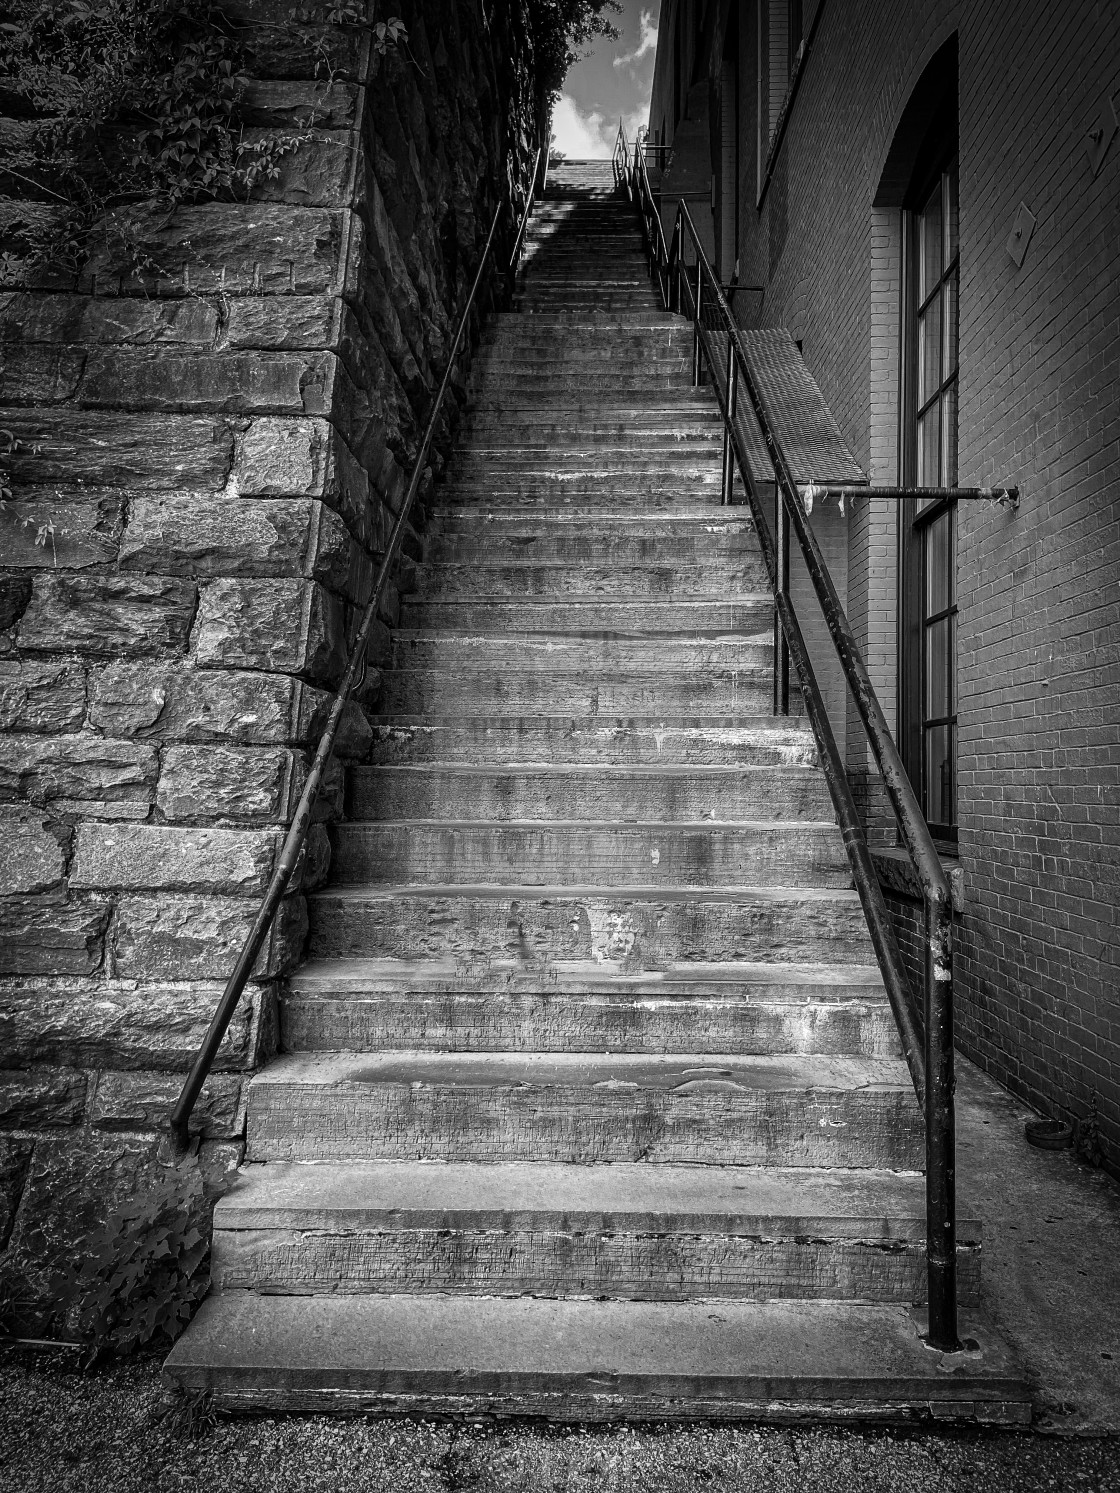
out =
column 614, row 79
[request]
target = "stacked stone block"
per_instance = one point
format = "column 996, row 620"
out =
column 207, row 454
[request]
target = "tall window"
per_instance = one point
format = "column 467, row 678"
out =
column 931, row 329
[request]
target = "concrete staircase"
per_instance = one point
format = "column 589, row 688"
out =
column 591, row 1103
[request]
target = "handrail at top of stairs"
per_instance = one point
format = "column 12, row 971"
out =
column 355, row 669
column 926, row 1034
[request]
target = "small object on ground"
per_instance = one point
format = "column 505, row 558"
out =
column 1049, row 1135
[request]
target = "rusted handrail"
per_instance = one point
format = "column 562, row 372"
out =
column 926, row 1035
column 296, row 837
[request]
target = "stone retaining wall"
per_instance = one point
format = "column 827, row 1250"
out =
column 210, row 457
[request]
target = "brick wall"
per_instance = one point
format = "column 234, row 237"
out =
column 1037, row 968
column 212, row 453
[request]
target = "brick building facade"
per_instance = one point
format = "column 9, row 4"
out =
column 817, row 145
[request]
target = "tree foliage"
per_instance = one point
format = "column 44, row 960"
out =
column 560, row 29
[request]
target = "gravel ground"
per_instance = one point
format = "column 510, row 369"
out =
column 70, row 1432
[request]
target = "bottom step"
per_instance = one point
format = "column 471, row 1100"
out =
column 592, row 1360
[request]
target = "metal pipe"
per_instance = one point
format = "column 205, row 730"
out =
column 941, row 1163
column 301, row 820
column 732, row 387
column 1008, row 496
column 781, row 644
column 697, row 312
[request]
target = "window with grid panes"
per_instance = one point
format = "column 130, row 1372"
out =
column 932, row 328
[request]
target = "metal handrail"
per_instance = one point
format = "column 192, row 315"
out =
column 296, row 837
column 620, row 160
column 526, row 210
column 926, row 1035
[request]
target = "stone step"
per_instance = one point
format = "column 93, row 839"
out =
column 531, row 691
column 664, row 493
column 722, row 1109
column 524, row 345
column 667, row 491
column 720, row 741
column 583, row 434
column 718, row 577
column 582, row 1361
column 664, row 793
column 574, row 387
column 647, row 928
column 706, row 542
column 498, row 1005
column 549, row 852
column 565, row 321
column 587, row 616
column 555, row 652
column 625, row 1232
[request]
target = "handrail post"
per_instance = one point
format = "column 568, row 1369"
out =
column 697, row 309
column 781, row 642
column 941, row 1222
column 732, row 398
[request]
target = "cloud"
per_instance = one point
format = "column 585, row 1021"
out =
column 590, row 136
column 647, row 41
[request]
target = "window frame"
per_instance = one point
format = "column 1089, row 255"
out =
column 917, row 517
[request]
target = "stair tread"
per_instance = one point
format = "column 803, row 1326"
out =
column 572, row 891
column 743, row 1351
column 825, row 1202
column 768, row 1073
column 368, row 973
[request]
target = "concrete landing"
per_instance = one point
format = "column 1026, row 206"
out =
column 588, row 1361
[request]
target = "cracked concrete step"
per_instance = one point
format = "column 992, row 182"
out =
column 647, row 927
column 663, row 792
column 592, row 1361
column 498, row 1005
column 627, row 1232
column 491, row 573
column 719, row 1109
column 543, row 852
column 726, row 741
column 586, row 616
column 624, row 693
